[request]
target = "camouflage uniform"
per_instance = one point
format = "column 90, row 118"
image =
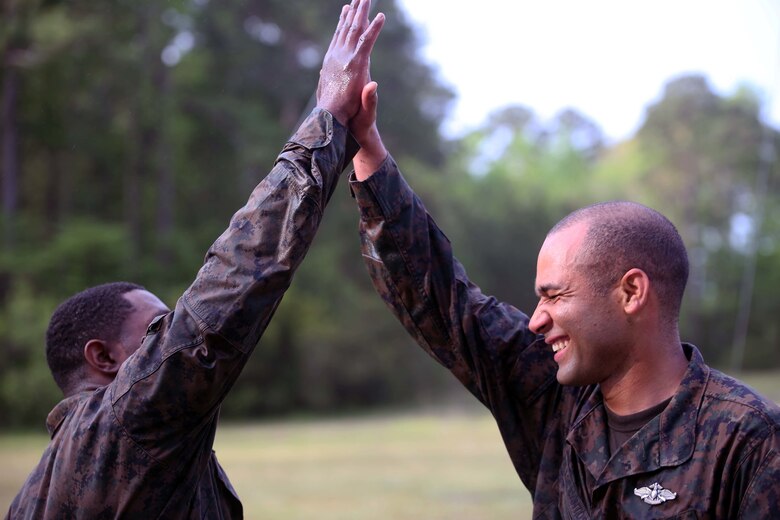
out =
column 141, row 447
column 716, row 445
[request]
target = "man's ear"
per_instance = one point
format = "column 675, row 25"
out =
column 101, row 357
column 634, row 291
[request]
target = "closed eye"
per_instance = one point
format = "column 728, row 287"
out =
column 549, row 298
column 550, row 291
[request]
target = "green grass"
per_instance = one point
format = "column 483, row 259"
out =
column 432, row 466
column 416, row 466
column 421, row 465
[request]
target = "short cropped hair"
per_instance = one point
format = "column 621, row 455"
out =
column 95, row 313
column 625, row 235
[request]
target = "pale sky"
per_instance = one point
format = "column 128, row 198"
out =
column 607, row 58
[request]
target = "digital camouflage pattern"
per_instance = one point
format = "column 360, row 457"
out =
column 714, row 452
column 141, row 447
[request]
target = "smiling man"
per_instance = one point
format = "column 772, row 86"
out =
column 605, row 413
column 610, row 280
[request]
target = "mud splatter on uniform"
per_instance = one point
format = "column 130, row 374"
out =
column 715, row 447
column 141, row 447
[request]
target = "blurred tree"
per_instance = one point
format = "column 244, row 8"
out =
column 131, row 131
column 702, row 155
column 33, row 34
column 507, row 183
column 244, row 87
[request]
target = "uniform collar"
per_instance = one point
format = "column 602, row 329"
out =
column 62, row 410
column 667, row 440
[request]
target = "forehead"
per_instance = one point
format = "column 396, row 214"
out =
column 565, row 244
column 557, row 261
column 146, row 306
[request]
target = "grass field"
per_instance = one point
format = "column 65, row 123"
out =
column 450, row 466
column 417, row 465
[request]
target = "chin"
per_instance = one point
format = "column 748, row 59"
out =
column 564, row 379
column 568, row 379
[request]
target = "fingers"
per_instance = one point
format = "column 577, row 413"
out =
column 369, row 37
column 349, row 21
column 340, row 26
column 351, row 29
column 359, row 21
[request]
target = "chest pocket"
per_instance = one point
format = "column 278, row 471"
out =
column 572, row 505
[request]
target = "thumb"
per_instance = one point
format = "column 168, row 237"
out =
column 369, row 98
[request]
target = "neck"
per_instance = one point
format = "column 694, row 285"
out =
column 86, row 384
column 652, row 376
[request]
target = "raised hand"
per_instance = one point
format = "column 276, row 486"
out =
column 372, row 151
column 345, row 68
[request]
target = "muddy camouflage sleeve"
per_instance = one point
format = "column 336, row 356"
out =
column 191, row 357
column 141, row 447
column 488, row 346
column 759, row 479
column 412, row 266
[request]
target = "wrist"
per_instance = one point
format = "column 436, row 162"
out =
column 338, row 114
column 368, row 160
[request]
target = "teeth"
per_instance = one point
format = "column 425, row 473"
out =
column 559, row 345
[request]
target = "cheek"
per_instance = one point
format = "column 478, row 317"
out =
column 600, row 317
column 595, row 337
column 575, row 319
column 131, row 343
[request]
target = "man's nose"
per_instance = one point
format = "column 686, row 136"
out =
column 540, row 321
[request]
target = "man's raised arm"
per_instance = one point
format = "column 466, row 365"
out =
column 191, row 357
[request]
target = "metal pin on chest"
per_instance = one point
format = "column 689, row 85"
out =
column 654, row 494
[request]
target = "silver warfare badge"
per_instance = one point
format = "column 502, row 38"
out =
column 654, row 494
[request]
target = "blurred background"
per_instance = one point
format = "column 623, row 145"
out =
column 131, row 131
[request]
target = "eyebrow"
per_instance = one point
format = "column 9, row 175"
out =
column 546, row 288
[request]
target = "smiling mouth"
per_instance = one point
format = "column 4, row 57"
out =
column 559, row 345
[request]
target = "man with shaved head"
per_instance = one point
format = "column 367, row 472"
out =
column 622, row 235
column 604, row 411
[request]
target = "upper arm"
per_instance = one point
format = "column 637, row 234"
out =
column 761, row 497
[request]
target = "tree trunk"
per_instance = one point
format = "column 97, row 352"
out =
column 10, row 149
column 166, row 186
column 53, row 195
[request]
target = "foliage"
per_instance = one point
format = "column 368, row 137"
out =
column 27, row 390
column 133, row 130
